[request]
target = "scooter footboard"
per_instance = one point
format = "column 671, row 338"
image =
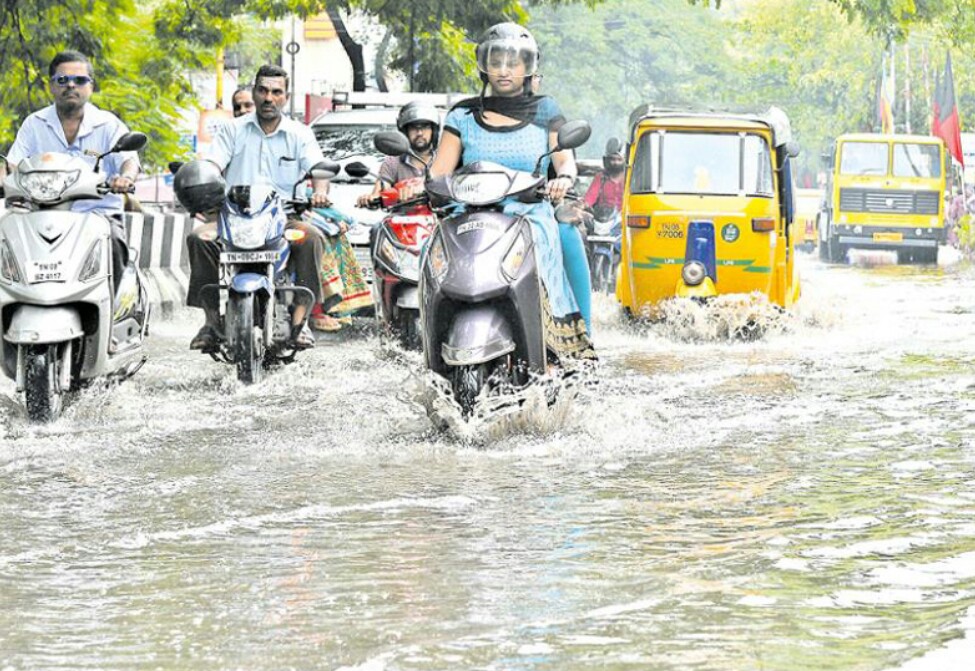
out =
column 477, row 335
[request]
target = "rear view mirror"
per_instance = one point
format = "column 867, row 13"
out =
column 357, row 170
column 574, row 134
column 391, row 143
column 130, row 142
column 323, row 170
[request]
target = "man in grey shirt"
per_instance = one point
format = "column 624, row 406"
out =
column 420, row 122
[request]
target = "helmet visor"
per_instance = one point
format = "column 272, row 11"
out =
column 506, row 56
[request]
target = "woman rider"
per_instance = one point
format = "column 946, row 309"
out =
column 513, row 127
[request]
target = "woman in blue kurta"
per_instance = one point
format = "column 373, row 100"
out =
column 513, row 127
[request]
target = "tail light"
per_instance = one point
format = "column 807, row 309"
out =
column 638, row 220
column 764, row 224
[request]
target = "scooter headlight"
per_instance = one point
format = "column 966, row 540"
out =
column 693, row 273
column 515, row 258
column 93, row 263
column 248, row 232
column 438, row 262
column 46, row 186
column 9, row 271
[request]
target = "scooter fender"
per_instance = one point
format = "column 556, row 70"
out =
column 250, row 283
column 477, row 335
column 38, row 325
column 409, row 298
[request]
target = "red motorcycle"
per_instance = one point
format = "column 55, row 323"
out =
column 396, row 246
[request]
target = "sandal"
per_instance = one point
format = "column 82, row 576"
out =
column 302, row 337
column 206, row 339
column 325, row 323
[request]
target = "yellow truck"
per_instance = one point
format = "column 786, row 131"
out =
column 885, row 192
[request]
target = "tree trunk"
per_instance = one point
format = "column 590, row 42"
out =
column 352, row 48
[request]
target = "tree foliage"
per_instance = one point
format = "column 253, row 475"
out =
column 601, row 63
column 139, row 78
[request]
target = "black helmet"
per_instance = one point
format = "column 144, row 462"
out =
column 199, row 186
column 417, row 111
column 503, row 43
column 613, row 147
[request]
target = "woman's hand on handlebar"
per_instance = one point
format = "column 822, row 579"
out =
column 558, row 187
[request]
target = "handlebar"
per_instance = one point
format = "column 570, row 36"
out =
column 104, row 189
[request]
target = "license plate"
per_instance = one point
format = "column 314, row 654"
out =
column 45, row 272
column 888, row 237
column 249, row 257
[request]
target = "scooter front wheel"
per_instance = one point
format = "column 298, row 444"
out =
column 248, row 342
column 467, row 383
column 410, row 330
column 43, row 395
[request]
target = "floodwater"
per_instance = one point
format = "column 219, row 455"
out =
column 805, row 500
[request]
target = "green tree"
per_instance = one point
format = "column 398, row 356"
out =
column 601, row 63
column 139, row 77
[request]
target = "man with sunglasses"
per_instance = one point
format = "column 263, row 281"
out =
column 263, row 147
column 74, row 126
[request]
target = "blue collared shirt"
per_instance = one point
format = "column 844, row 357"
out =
column 42, row 132
column 248, row 156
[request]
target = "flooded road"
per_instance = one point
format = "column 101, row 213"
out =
column 803, row 501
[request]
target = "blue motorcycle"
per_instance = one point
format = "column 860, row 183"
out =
column 257, row 295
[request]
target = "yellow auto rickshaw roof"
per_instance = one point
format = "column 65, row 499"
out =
column 775, row 120
column 889, row 137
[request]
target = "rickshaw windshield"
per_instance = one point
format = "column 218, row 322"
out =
column 917, row 160
column 702, row 163
column 864, row 158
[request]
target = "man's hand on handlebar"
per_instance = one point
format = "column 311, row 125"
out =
column 319, row 198
column 122, row 184
column 410, row 189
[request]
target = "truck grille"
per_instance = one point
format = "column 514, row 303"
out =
column 889, row 202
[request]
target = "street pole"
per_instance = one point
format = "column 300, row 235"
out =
column 292, row 51
column 907, row 87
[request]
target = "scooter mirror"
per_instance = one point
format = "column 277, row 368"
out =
column 357, row 169
column 174, row 166
column 323, row 170
column 574, row 134
column 391, row 143
column 130, row 142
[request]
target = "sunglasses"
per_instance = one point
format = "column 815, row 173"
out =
column 77, row 80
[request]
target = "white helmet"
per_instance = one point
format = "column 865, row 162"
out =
column 507, row 45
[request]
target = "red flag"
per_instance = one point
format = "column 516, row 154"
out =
column 945, row 122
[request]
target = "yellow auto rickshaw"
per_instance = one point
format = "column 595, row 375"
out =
column 707, row 208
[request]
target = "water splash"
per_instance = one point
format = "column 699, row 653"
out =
column 541, row 408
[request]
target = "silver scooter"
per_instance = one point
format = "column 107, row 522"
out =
column 480, row 294
column 62, row 323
